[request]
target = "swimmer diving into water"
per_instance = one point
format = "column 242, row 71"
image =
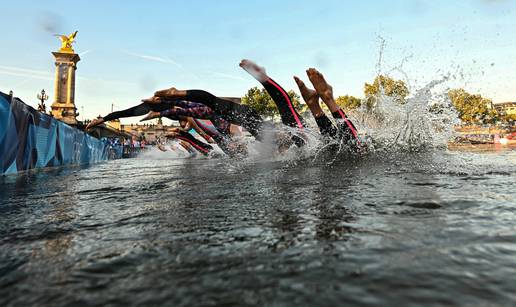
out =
column 184, row 108
column 174, row 103
column 234, row 113
column 345, row 130
column 178, row 110
column 184, row 136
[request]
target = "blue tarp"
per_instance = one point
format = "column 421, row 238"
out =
column 30, row 139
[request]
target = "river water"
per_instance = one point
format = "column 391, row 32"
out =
column 430, row 228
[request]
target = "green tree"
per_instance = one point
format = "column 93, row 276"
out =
column 472, row 108
column 397, row 89
column 260, row 100
column 348, row 102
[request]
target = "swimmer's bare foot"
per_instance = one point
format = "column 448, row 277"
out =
column 322, row 87
column 95, row 122
column 170, row 93
column 324, row 90
column 310, row 97
column 161, row 147
column 254, row 70
column 150, row 115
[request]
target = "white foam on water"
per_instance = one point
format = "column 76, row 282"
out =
column 153, row 153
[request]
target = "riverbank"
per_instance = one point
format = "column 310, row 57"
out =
column 480, row 147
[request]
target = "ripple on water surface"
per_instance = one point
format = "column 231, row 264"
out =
column 434, row 228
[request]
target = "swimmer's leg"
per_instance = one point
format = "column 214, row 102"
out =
column 289, row 115
column 312, row 100
column 348, row 132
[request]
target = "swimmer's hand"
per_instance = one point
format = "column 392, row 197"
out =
column 150, row 115
column 208, row 138
column 95, row 122
column 174, row 132
column 152, row 100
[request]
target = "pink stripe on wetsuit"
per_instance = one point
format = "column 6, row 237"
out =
column 289, row 115
column 349, row 125
column 291, row 118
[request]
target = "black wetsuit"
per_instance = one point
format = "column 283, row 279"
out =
column 139, row 110
column 201, row 111
column 345, row 129
column 146, row 107
column 246, row 116
column 288, row 114
column 238, row 114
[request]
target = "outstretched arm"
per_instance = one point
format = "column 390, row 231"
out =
column 187, row 137
column 141, row 109
column 194, row 110
column 191, row 124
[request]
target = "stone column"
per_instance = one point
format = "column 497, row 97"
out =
column 63, row 107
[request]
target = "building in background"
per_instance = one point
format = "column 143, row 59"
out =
column 151, row 133
column 506, row 108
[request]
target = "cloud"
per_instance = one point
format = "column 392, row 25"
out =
column 228, row 76
column 50, row 76
column 82, row 54
column 163, row 60
column 25, row 72
column 155, row 59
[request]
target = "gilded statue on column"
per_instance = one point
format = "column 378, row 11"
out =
column 66, row 42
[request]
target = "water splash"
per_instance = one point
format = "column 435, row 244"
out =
column 424, row 122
